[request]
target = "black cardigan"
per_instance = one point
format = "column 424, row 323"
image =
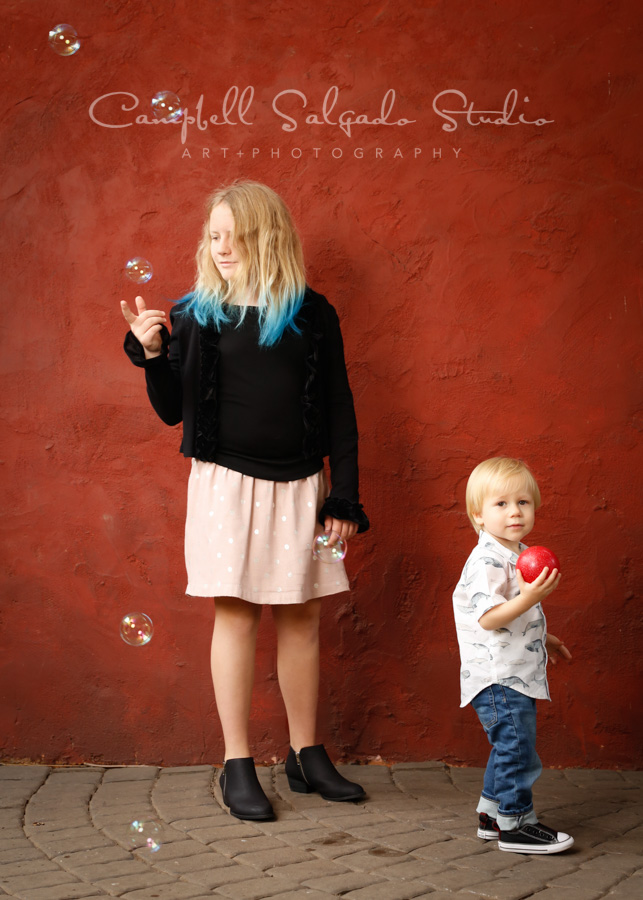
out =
column 181, row 385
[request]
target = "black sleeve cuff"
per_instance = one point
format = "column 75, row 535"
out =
column 136, row 353
column 344, row 509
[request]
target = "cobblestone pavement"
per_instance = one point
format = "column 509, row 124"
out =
column 64, row 833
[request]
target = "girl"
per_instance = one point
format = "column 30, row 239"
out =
column 254, row 368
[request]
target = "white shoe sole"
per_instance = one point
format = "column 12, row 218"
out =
column 487, row 835
column 558, row 847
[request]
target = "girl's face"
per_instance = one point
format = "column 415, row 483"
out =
column 224, row 253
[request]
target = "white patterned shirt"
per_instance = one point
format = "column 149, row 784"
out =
column 513, row 656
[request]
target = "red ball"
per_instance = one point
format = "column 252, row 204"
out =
column 533, row 560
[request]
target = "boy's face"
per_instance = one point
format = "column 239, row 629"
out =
column 508, row 514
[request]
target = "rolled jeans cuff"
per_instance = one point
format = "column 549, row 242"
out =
column 490, row 807
column 510, row 823
column 505, row 823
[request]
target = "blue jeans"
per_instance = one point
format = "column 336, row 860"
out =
column 509, row 720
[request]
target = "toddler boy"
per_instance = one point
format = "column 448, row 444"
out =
column 503, row 648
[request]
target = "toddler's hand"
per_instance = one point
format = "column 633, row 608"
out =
column 542, row 587
column 555, row 647
column 146, row 326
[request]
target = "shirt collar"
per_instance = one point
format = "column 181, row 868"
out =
column 508, row 554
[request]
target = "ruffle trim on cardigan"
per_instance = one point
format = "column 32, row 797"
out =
column 136, row 352
column 311, row 399
column 338, row 508
column 206, row 419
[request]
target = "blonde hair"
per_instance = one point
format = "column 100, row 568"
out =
column 495, row 474
column 271, row 262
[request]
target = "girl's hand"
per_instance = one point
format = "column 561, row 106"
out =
column 339, row 528
column 542, row 587
column 146, row 326
column 555, row 647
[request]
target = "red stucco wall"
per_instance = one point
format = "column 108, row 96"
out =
column 490, row 305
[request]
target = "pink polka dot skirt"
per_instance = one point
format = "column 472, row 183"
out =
column 250, row 538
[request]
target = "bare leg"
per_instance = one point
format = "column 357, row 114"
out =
column 233, row 667
column 298, row 667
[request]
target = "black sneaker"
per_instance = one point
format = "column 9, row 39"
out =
column 488, row 829
column 534, row 838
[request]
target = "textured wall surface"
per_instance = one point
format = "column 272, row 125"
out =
column 487, row 279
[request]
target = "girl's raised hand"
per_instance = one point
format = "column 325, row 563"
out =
column 146, row 326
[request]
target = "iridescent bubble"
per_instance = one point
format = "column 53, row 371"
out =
column 145, row 833
column 166, row 105
column 326, row 554
column 63, row 40
column 139, row 270
column 136, row 629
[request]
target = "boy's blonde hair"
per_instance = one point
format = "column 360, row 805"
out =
column 494, row 474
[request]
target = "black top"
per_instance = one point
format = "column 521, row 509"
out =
column 269, row 412
column 260, row 389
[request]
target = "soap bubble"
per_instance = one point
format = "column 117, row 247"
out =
column 324, row 553
column 63, row 40
column 136, row 629
column 138, row 270
column 166, row 105
column 145, row 833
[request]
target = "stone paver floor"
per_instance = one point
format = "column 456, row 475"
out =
column 65, row 832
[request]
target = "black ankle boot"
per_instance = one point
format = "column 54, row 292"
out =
column 242, row 792
column 311, row 770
